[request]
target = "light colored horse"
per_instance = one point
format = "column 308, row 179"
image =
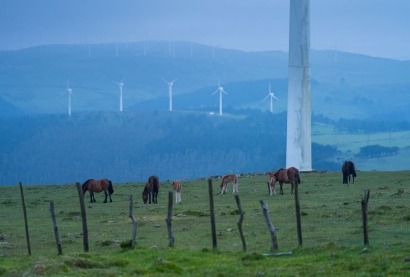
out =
column 271, row 183
column 177, row 185
column 229, row 178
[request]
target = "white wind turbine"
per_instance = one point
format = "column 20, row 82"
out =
column 120, row 85
column 272, row 96
column 170, row 85
column 69, row 92
column 221, row 91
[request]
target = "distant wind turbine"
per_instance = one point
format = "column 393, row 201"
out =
column 221, row 91
column 120, row 85
column 170, row 85
column 272, row 96
column 69, row 92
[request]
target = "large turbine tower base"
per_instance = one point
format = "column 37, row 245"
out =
column 298, row 140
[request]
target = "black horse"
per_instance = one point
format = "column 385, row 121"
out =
column 151, row 190
column 348, row 169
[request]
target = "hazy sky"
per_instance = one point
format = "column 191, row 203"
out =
column 374, row 27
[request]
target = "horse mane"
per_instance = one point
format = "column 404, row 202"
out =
column 277, row 172
column 86, row 183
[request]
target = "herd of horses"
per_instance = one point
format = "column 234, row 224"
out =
column 289, row 175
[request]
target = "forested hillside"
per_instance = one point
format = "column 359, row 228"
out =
column 131, row 146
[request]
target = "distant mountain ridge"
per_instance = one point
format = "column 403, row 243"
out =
column 35, row 80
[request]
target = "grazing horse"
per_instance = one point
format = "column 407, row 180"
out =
column 151, row 190
column 348, row 169
column 290, row 176
column 177, row 185
column 230, row 178
column 98, row 186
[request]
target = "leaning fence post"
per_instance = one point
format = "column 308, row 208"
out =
column 169, row 220
column 270, row 226
column 365, row 201
column 83, row 216
column 297, row 207
column 25, row 220
column 53, row 218
column 134, row 222
column 240, row 221
column 212, row 211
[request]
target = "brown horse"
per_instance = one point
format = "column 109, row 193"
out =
column 229, row 178
column 348, row 169
column 98, row 186
column 151, row 190
column 290, row 176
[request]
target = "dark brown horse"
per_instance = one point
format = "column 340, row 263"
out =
column 290, row 176
column 151, row 190
column 97, row 186
column 348, row 169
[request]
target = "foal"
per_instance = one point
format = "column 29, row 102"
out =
column 271, row 183
column 177, row 185
column 230, row 178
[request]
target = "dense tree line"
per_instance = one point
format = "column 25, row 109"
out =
column 372, row 151
column 55, row 149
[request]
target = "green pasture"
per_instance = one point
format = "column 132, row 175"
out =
column 349, row 144
column 331, row 230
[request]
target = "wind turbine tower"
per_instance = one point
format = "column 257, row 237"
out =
column 69, row 92
column 170, row 85
column 272, row 96
column 120, row 85
column 221, row 91
column 299, row 140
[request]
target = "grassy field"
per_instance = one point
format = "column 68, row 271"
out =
column 349, row 144
column 331, row 230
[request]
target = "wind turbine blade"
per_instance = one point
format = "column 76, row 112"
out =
column 264, row 99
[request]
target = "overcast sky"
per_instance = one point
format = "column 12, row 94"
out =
column 374, row 27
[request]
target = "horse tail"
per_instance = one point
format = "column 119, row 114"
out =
column 354, row 170
column 156, row 185
column 297, row 177
column 110, row 188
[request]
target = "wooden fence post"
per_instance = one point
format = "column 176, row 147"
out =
column 240, row 221
column 270, row 226
column 169, row 220
column 53, row 218
column 212, row 211
column 83, row 216
column 297, row 207
column 134, row 222
column 365, row 201
column 25, row 220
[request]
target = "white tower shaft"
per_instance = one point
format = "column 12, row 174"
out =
column 120, row 97
column 170, row 96
column 69, row 103
column 220, row 101
column 299, row 141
